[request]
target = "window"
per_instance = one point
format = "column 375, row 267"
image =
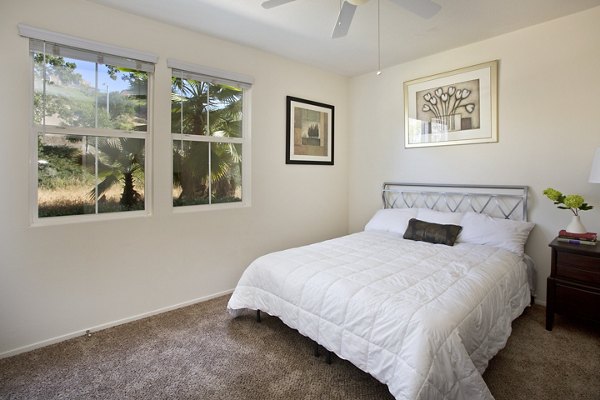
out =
column 209, row 129
column 91, row 126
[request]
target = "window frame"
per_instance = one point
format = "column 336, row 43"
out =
column 37, row 130
column 217, row 76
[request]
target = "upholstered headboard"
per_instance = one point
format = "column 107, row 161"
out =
column 498, row 201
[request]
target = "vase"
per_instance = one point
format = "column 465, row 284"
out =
column 446, row 123
column 575, row 226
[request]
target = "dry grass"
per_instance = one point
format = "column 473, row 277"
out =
column 72, row 195
column 75, row 200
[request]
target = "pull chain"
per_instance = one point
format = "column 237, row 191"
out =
column 378, row 38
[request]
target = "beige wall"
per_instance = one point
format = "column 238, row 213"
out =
column 59, row 280
column 549, row 104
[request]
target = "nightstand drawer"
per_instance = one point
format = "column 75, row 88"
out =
column 578, row 301
column 576, row 266
column 573, row 286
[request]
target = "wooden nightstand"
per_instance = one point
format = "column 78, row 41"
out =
column 574, row 282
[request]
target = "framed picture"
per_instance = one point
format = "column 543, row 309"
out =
column 309, row 132
column 456, row 107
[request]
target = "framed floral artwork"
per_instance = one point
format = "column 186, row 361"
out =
column 309, row 132
column 456, row 107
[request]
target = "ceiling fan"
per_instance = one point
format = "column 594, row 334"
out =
column 422, row 8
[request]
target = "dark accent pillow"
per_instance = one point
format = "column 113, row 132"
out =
column 432, row 233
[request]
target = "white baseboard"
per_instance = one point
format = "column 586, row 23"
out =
column 97, row 328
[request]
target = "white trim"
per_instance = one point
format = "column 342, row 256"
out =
column 209, row 207
column 33, row 152
column 100, row 327
column 205, row 138
column 539, row 301
column 247, row 148
column 100, row 132
column 149, row 148
column 209, row 72
column 72, row 219
column 41, row 130
column 72, row 41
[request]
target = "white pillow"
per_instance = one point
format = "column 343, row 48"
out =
column 439, row 217
column 391, row 220
column 503, row 233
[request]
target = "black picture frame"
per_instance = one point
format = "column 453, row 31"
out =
column 309, row 132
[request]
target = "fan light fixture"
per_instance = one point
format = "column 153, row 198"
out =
column 423, row 8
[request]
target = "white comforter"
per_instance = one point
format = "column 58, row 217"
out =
column 424, row 319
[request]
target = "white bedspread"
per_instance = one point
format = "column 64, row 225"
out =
column 424, row 319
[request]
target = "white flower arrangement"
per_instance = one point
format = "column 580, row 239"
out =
column 442, row 103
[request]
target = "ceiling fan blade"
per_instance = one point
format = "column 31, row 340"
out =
column 423, row 8
column 274, row 3
column 344, row 20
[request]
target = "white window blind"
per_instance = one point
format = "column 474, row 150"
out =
column 80, row 43
column 186, row 70
column 59, row 50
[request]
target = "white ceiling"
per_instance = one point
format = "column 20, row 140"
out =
column 301, row 30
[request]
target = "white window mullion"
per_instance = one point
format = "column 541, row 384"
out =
column 246, row 149
column 34, row 137
column 181, row 112
column 208, row 110
column 96, row 96
column 95, row 175
column 44, row 78
column 58, row 130
column 211, row 139
column 149, row 148
column 181, row 143
column 209, row 143
column 209, row 173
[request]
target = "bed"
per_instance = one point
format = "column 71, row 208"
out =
column 423, row 318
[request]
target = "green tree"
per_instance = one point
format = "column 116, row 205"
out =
column 55, row 70
column 64, row 98
column 202, row 108
column 121, row 160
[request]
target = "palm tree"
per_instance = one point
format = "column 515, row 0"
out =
column 120, row 160
column 202, row 108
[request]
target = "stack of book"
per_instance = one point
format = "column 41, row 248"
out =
column 588, row 238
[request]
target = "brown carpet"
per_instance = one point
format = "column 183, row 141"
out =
column 200, row 352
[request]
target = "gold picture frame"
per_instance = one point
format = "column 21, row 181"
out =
column 450, row 108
